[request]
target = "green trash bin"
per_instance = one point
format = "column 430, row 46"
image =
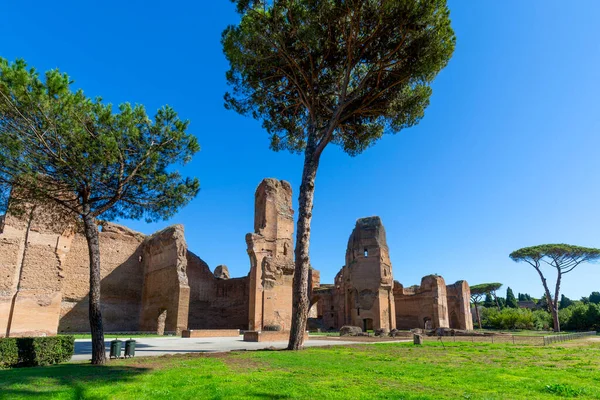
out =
column 115, row 348
column 130, row 348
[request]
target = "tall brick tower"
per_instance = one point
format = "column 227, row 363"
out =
column 271, row 256
column 367, row 277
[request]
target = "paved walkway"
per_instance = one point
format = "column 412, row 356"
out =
column 177, row 345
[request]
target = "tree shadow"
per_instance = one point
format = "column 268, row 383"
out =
column 268, row 395
column 72, row 380
column 121, row 300
column 141, row 349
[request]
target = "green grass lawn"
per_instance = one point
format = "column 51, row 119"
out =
column 461, row 370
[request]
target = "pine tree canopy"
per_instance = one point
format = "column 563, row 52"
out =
column 349, row 70
column 59, row 145
column 562, row 256
column 485, row 288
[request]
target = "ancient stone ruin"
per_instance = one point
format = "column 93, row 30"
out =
column 156, row 284
column 364, row 293
column 271, row 257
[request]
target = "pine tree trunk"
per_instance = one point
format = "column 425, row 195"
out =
column 477, row 314
column 91, row 234
column 551, row 304
column 305, row 206
column 554, row 304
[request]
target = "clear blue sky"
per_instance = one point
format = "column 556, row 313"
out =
column 506, row 156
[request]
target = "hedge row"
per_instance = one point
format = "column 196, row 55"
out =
column 32, row 351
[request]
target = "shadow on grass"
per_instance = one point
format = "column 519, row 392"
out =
column 266, row 395
column 65, row 380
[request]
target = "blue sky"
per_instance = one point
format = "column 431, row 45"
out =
column 506, row 156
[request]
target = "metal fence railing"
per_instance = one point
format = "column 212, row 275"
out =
column 569, row 336
column 512, row 339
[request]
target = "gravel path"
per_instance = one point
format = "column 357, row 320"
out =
column 176, row 345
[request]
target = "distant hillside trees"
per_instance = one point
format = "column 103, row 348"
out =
column 564, row 302
column 574, row 315
column 511, row 301
column 543, row 304
column 489, row 301
column 478, row 292
column 524, row 297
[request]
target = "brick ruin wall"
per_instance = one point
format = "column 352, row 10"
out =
column 423, row 307
column 32, row 255
column 149, row 283
column 121, row 286
column 330, row 308
column 215, row 303
column 44, row 276
column 459, row 305
column 445, row 306
column 153, row 283
column 165, row 287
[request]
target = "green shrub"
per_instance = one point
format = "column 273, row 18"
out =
column 9, row 353
column 45, row 350
column 593, row 317
column 564, row 316
column 508, row 318
column 578, row 320
column 33, row 351
column 542, row 320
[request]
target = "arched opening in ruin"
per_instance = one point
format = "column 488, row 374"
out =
column 427, row 324
column 454, row 322
column 367, row 324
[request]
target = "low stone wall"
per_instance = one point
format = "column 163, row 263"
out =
column 268, row 336
column 197, row 333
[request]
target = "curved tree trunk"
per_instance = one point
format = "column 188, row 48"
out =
column 551, row 304
column 305, row 207
column 496, row 300
column 91, row 234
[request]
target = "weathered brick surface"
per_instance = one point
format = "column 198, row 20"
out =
column 271, row 256
column 215, row 303
column 164, row 257
column 121, row 285
column 459, row 305
column 424, row 306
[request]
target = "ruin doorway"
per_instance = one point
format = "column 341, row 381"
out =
column 427, row 323
column 367, row 324
column 454, row 323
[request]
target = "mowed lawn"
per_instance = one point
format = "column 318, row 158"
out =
column 460, row 370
